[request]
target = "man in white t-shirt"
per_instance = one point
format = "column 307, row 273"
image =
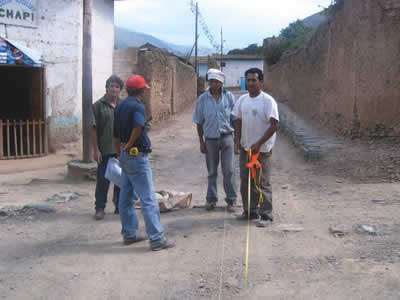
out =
column 255, row 127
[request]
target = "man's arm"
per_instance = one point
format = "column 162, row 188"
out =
column 95, row 146
column 238, row 134
column 117, row 145
column 201, row 138
column 274, row 124
column 135, row 134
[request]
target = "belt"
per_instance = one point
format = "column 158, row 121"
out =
column 139, row 149
column 217, row 138
column 143, row 151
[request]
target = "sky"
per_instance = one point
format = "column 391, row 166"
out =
column 243, row 22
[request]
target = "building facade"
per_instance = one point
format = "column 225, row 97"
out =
column 233, row 66
column 52, row 92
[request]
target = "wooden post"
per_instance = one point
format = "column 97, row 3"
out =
column 196, row 67
column 28, row 138
column 8, row 137
column 21, row 138
column 46, row 121
column 15, row 137
column 40, row 137
column 87, row 78
column 1, row 139
column 46, row 137
column 34, row 136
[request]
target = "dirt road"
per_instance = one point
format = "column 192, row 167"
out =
column 68, row 255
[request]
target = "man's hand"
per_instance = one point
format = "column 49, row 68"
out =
column 256, row 148
column 203, row 147
column 237, row 148
column 97, row 156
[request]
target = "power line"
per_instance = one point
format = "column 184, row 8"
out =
column 204, row 26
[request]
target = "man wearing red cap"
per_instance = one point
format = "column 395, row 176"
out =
column 133, row 146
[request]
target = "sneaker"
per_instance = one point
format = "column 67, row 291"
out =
column 230, row 208
column 264, row 221
column 245, row 217
column 210, row 206
column 99, row 215
column 164, row 245
column 139, row 237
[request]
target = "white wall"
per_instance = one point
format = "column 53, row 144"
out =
column 103, row 45
column 234, row 70
column 59, row 38
column 203, row 68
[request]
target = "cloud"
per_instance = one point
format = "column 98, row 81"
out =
column 243, row 22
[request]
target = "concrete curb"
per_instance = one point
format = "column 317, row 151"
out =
column 313, row 143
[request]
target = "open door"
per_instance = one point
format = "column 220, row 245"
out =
column 23, row 126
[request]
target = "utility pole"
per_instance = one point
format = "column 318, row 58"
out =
column 222, row 49
column 195, row 43
column 86, row 78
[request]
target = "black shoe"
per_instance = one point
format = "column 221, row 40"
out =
column 230, row 208
column 210, row 206
column 99, row 215
column 265, row 220
column 244, row 216
column 139, row 237
column 164, row 245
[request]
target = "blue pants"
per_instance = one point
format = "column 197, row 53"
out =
column 103, row 184
column 137, row 177
column 216, row 149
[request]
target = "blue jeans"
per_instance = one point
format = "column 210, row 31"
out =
column 137, row 177
column 216, row 149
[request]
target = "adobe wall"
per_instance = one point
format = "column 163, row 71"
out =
column 185, row 86
column 124, row 65
column 173, row 84
column 348, row 75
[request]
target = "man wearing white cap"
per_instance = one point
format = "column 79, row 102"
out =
column 214, row 119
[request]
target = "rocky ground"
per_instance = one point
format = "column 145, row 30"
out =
column 336, row 233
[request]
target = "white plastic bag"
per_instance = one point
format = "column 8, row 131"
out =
column 113, row 171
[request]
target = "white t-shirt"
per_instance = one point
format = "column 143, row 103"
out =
column 255, row 114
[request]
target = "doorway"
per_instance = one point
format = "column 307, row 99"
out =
column 23, row 125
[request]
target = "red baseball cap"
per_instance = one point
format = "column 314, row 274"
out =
column 136, row 82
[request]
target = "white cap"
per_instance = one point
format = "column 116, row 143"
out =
column 215, row 74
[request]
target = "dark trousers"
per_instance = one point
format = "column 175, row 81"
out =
column 265, row 207
column 103, row 184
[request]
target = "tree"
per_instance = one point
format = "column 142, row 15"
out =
column 252, row 49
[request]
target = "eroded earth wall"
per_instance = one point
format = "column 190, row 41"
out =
column 348, row 75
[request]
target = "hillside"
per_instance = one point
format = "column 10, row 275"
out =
column 125, row 38
column 315, row 20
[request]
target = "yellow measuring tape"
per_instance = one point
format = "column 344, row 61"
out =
column 248, row 233
column 260, row 200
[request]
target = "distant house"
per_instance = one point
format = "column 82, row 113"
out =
column 233, row 66
column 148, row 46
column 41, row 72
